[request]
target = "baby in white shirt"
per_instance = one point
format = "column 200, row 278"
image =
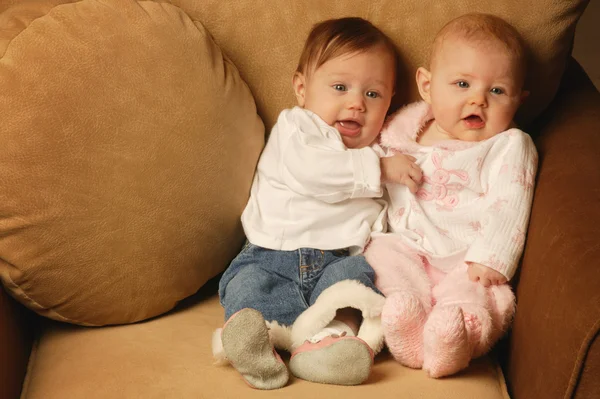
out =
column 314, row 203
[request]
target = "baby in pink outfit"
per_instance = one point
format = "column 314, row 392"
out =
column 456, row 234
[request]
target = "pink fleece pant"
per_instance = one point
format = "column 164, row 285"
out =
column 434, row 320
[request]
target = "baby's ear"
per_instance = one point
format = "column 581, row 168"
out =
column 299, row 84
column 424, row 84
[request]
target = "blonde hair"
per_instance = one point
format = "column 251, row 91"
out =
column 484, row 29
column 335, row 37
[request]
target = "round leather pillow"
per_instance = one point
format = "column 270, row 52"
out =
column 129, row 143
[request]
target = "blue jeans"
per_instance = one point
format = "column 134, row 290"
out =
column 282, row 284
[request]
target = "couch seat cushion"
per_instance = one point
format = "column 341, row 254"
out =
column 170, row 357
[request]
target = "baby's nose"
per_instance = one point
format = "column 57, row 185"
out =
column 356, row 101
column 479, row 99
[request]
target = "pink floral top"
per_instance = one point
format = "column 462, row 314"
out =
column 475, row 199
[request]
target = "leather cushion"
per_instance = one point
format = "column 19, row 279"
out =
column 129, row 143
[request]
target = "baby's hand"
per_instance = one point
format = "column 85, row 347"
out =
column 485, row 275
column 401, row 169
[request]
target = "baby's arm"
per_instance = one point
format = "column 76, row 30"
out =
column 321, row 167
column 510, row 171
column 318, row 165
column 401, row 169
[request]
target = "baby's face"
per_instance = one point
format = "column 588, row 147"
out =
column 351, row 92
column 475, row 90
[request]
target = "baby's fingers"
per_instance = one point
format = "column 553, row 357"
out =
column 415, row 173
column 498, row 280
column 408, row 182
column 485, row 281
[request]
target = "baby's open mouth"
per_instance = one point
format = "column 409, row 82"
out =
column 348, row 127
column 474, row 121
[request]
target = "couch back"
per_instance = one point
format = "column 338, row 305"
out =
column 264, row 38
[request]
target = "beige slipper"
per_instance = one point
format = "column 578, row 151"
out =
column 248, row 348
column 333, row 360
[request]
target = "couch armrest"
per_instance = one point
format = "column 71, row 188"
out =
column 16, row 335
column 553, row 347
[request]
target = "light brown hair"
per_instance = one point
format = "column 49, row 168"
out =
column 334, row 37
column 482, row 29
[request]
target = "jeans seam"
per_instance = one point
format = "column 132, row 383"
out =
column 300, row 278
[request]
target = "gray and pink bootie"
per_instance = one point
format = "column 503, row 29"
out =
column 247, row 346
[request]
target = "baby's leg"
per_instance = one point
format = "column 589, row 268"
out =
column 251, row 292
column 398, row 268
column 459, row 323
column 330, row 348
column 400, row 275
column 501, row 304
column 487, row 311
column 264, row 280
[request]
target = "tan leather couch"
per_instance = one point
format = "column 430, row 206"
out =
column 552, row 351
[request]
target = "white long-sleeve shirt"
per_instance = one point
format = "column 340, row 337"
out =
column 474, row 203
column 309, row 190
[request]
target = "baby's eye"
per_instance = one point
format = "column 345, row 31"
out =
column 497, row 90
column 372, row 94
column 462, row 84
column 339, row 87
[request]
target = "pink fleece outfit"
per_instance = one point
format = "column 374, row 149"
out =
column 473, row 206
